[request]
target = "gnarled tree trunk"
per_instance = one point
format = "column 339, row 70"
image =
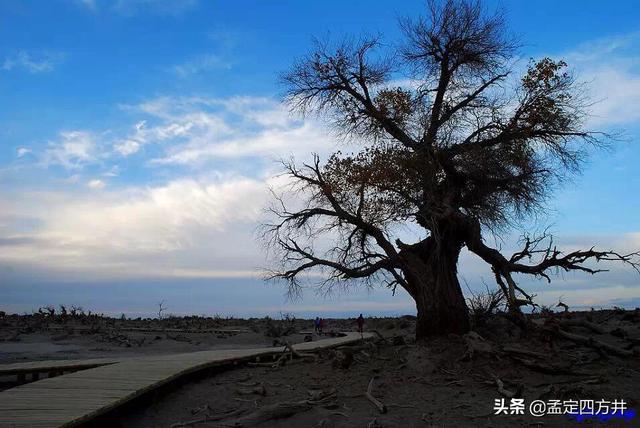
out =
column 432, row 277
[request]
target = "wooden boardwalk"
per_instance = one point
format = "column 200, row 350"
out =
column 79, row 397
column 230, row 331
column 57, row 366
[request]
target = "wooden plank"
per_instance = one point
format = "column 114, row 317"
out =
column 81, row 396
column 49, row 365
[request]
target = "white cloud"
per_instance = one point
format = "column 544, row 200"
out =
column 616, row 93
column 183, row 226
column 270, row 143
column 22, row 151
column 186, row 227
column 73, row 150
column 201, row 64
column 127, row 147
column 609, row 67
column 96, row 184
column 33, row 62
column 202, row 130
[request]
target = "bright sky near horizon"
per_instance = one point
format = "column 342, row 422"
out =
column 137, row 139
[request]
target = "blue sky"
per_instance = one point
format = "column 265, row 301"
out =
column 137, row 138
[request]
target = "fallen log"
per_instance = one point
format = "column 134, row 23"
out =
column 207, row 418
column 369, row 394
column 583, row 323
column 593, row 343
column 257, row 390
column 297, row 354
column 547, row 369
column 501, row 389
column 270, row 412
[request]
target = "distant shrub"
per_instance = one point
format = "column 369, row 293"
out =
column 282, row 327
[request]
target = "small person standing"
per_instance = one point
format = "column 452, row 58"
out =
column 316, row 325
column 360, row 322
column 321, row 325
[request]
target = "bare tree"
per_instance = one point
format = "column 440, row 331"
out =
column 161, row 309
column 452, row 148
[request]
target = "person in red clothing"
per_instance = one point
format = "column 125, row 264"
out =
column 360, row 322
column 321, row 325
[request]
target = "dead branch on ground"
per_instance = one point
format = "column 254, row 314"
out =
column 369, row 394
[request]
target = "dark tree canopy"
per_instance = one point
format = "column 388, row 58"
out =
column 452, row 145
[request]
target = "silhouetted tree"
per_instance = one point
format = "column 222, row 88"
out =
column 452, row 148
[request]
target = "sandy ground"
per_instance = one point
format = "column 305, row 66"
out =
column 25, row 338
column 37, row 337
column 439, row 383
column 61, row 346
column 435, row 384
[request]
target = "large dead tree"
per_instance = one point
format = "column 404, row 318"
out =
column 452, row 147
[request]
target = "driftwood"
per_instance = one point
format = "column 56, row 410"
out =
column 252, row 364
column 583, row 323
column 281, row 361
column 547, row 369
column 257, row 390
column 326, row 399
column 297, row 354
column 201, row 409
column 593, row 343
column 369, row 394
column 289, row 353
column 270, row 412
column 402, row 406
column 208, row 418
column 592, row 381
column 501, row 389
column 374, row 423
column 475, row 344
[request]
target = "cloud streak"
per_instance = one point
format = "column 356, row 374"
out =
column 609, row 67
column 126, row 232
column 201, row 64
column 32, row 63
